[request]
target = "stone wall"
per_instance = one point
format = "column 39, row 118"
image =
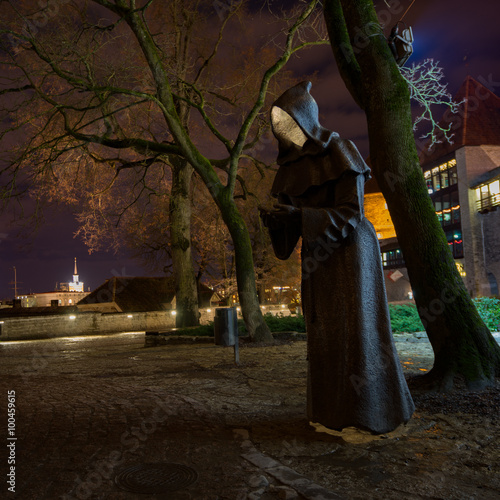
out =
column 88, row 323
column 491, row 232
column 39, row 327
column 473, row 161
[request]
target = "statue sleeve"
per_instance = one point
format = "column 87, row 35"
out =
column 284, row 240
column 284, row 236
column 336, row 222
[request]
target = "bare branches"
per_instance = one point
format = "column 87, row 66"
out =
column 426, row 89
column 288, row 50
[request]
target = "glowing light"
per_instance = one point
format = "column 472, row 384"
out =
column 72, row 317
column 209, row 310
column 129, row 316
column 173, row 313
column 238, row 309
column 283, row 306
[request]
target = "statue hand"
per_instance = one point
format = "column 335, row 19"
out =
column 286, row 213
column 280, row 216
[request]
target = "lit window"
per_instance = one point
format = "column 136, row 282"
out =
column 456, row 243
column 436, row 183
column 488, row 196
column 461, row 269
column 392, row 259
column 441, row 177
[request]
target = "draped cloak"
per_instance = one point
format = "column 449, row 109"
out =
column 354, row 374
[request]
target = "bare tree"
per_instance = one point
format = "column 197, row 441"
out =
column 461, row 341
column 101, row 89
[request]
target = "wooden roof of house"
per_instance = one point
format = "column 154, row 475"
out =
column 134, row 294
column 476, row 123
column 137, row 294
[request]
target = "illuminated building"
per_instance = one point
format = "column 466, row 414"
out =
column 72, row 286
column 463, row 181
column 67, row 294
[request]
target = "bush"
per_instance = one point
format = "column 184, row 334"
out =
column 489, row 310
column 279, row 323
column 405, row 319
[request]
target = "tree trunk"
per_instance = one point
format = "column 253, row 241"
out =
column 186, row 290
column 245, row 274
column 461, row 341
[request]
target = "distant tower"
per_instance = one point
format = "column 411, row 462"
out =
column 76, row 285
column 75, row 274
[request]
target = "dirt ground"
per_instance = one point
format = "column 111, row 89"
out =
column 88, row 407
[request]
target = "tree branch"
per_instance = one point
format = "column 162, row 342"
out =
column 343, row 49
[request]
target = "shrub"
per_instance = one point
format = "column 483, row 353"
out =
column 489, row 310
column 405, row 319
column 279, row 323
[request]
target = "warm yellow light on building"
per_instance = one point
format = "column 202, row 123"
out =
column 461, row 269
column 377, row 213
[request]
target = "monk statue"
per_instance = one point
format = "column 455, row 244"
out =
column 354, row 374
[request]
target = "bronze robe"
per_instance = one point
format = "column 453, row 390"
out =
column 355, row 376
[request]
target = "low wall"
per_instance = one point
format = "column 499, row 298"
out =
column 96, row 323
column 88, row 323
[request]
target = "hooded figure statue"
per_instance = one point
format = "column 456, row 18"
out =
column 354, row 374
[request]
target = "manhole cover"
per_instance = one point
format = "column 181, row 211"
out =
column 155, row 478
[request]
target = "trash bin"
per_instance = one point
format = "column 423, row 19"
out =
column 226, row 326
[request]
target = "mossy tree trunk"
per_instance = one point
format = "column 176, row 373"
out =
column 186, row 290
column 222, row 195
column 245, row 274
column 461, row 341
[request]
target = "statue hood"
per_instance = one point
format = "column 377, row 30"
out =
column 299, row 104
column 309, row 154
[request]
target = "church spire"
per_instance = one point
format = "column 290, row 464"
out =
column 75, row 276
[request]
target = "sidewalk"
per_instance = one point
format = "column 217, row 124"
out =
column 89, row 407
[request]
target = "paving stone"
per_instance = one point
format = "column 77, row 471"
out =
column 89, row 407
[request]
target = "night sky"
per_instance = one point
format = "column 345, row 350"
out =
column 463, row 36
